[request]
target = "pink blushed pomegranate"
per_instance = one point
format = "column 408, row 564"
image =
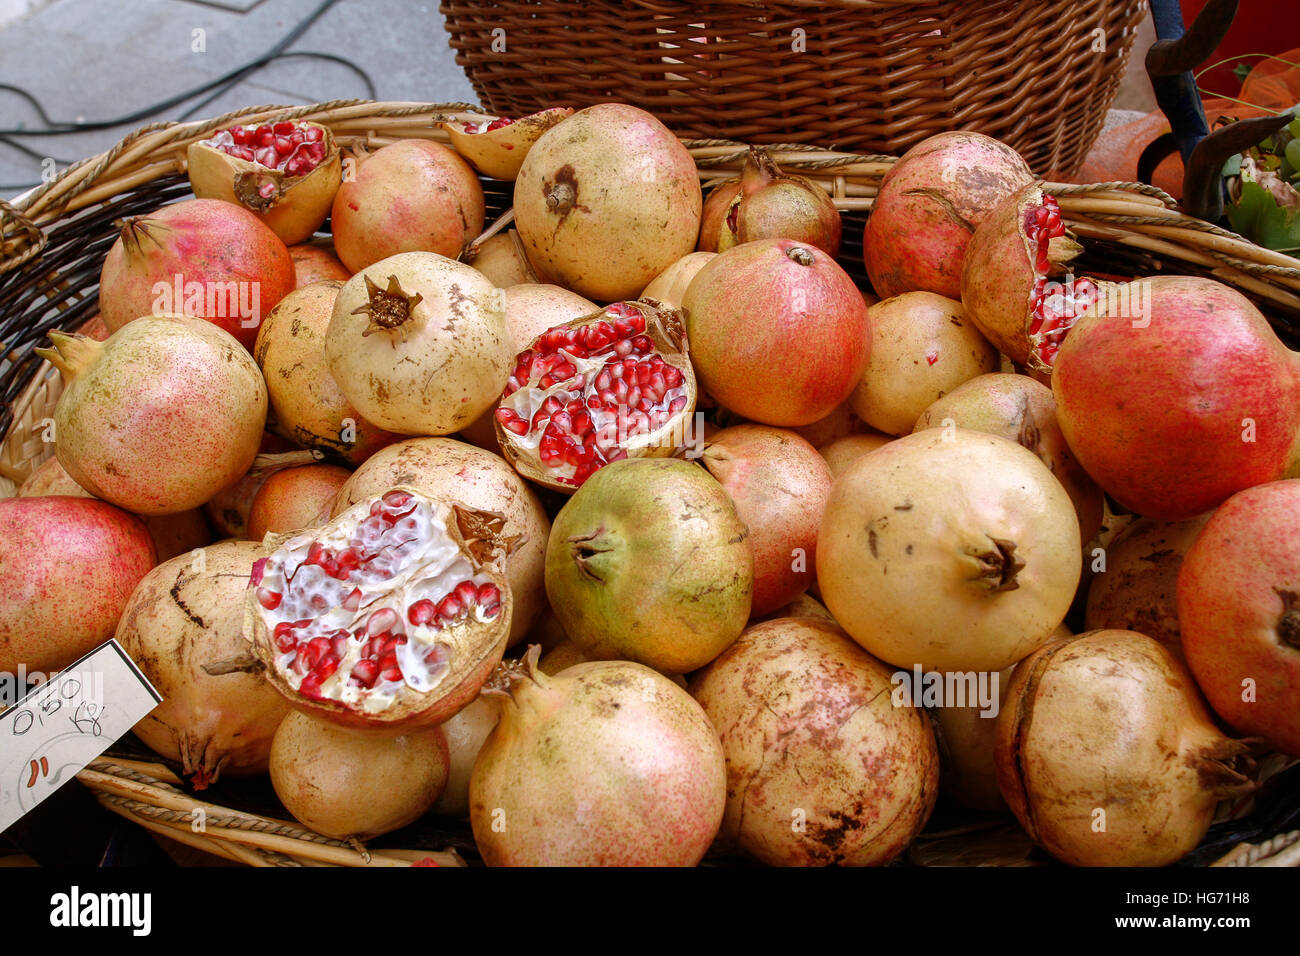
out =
column 928, row 206
column 200, row 257
column 779, row 485
column 294, row 498
column 285, row 173
column 608, row 386
column 389, row 617
column 316, row 262
column 172, row 534
column 1239, row 612
column 822, row 768
column 778, row 332
column 410, row 196
column 67, row 569
column 183, row 628
column 161, row 416
column 605, row 201
column 1177, row 394
column 606, row 764
column 1107, row 756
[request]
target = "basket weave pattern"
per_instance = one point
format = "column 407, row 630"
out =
column 852, row 75
column 52, row 244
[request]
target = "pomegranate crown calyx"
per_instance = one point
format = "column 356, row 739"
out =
column 510, row 675
column 388, row 309
column 71, row 354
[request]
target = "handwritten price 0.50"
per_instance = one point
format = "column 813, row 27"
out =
column 85, row 717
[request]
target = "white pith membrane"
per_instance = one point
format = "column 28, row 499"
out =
column 1054, row 304
column 366, row 605
column 594, row 391
column 487, row 125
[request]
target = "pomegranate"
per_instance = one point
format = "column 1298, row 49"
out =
column 922, row 347
column 1108, row 757
column 607, row 200
column 200, row 257
column 229, row 509
column 418, row 344
column 609, row 386
column 822, row 768
column 95, row 328
column 501, row 259
column 307, row 405
column 1239, row 613
column 561, row 657
column 294, row 498
column 967, row 737
column 670, row 285
column 497, row 146
column 779, row 485
column 1020, row 409
column 772, row 204
column 67, row 567
column 452, row 472
column 951, row 552
column 607, row 764
column 183, row 628
column 616, row 576
column 161, row 416
column 534, row 307
column 1220, row 396
column 1136, row 590
column 928, row 206
column 465, row 733
column 316, row 262
column 1009, row 282
column 843, row 452
column 840, row 423
column 531, row 309
column 410, row 196
column 806, row 606
column 389, row 617
column 285, row 173
column 778, row 331
column 714, row 213
column 172, row 534
column 352, row 786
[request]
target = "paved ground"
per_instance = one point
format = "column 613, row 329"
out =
column 100, row 59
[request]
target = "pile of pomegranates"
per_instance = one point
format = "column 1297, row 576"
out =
column 801, row 561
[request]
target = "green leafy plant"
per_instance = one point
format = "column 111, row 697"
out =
column 1264, row 190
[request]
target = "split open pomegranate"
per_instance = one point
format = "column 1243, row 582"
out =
column 391, row 616
column 611, row 385
column 497, row 147
column 1015, row 283
column 286, row 173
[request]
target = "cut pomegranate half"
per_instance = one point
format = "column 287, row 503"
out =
column 286, row 173
column 497, row 147
column 611, row 385
column 390, row 616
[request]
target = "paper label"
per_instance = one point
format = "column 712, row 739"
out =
column 50, row 735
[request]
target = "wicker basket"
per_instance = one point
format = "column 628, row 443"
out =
column 853, row 75
column 52, row 244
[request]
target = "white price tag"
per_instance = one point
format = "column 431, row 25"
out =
column 50, row 735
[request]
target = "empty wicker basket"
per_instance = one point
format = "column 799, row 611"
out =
column 868, row 76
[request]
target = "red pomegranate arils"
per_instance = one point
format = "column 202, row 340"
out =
column 292, row 148
column 315, row 589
